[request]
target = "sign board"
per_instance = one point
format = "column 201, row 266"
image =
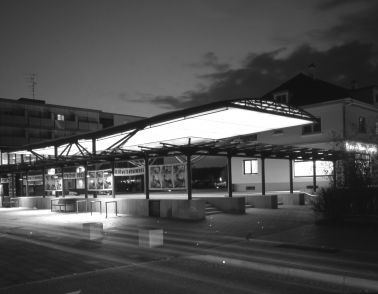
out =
column 361, row 147
column 132, row 171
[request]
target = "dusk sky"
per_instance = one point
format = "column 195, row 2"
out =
column 145, row 57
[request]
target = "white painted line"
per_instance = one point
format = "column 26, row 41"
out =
column 74, row 292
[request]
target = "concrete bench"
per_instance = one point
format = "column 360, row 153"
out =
column 68, row 205
column 14, row 202
column 93, row 231
column 151, row 237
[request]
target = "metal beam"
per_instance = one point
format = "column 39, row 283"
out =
column 113, row 179
column 63, row 181
column 334, row 178
column 123, row 140
column 146, row 177
column 262, row 175
column 27, row 183
column 44, row 182
column 291, row 175
column 314, row 175
column 189, row 176
column 86, row 179
column 229, row 175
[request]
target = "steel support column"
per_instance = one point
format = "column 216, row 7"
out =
column 44, row 182
column 63, row 181
column 314, row 175
column 27, row 183
column 334, row 175
column 93, row 146
column 146, row 177
column 291, row 176
column 86, row 179
column 113, row 179
column 189, row 176
column 262, row 175
column 229, row 175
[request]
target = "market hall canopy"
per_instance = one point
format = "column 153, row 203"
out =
column 205, row 126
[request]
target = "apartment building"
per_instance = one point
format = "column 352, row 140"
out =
column 347, row 121
column 25, row 121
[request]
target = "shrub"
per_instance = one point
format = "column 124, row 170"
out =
column 336, row 204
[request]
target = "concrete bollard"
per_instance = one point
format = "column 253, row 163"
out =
column 149, row 238
column 93, row 231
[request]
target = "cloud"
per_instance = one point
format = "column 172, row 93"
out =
column 332, row 4
column 352, row 55
column 210, row 60
column 261, row 73
column 359, row 24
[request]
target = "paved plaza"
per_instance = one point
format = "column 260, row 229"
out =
column 40, row 247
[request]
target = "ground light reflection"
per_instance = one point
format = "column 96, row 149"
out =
column 214, row 255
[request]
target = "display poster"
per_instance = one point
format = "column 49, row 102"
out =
column 169, row 176
column 12, row 185
column 80, row 184
column 99, row 180
column 53, row 183
column 305, row 168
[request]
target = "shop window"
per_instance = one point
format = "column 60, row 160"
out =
column 250, row 166
column 4, row 158
column 18, row 158
column 313, row 128
column 12, row 158
column 362, row 124
column 305, row 168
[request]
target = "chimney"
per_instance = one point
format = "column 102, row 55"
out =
column 311, row 68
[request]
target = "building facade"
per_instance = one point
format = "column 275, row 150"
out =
column 25, row 121
column 347, row 121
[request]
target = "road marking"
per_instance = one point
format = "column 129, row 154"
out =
column 74, row 292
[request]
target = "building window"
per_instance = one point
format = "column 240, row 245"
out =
column 362, row 124
column 313, row 128
column 306, row 168
column 12, row 158
column 282, row 97
column 250, row 166
column 60, row 117
column 4, row 158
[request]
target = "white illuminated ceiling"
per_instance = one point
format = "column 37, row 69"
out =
column 213, row 125
column 218, row 123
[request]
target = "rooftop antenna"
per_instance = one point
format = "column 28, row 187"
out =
column 33, row 82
